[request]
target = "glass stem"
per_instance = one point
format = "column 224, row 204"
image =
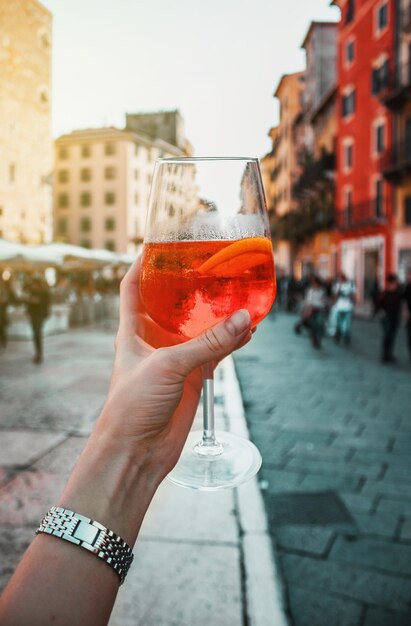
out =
column 208, row 406
column 208, row 446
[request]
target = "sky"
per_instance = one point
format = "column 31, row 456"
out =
column 217, row 61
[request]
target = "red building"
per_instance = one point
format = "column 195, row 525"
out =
column 364, row 197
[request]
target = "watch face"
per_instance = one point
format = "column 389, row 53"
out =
column 86, row 532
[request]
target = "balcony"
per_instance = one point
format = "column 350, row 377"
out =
column 393, row 88
column 362, row 214
column 397, row 162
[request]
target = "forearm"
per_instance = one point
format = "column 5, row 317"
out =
column 61, row 582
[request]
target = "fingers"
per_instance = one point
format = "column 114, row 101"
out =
column 129, row 299
column 212, row 345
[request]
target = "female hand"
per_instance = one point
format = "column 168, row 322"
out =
column 154, row 393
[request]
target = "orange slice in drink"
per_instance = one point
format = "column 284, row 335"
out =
column 238, row 257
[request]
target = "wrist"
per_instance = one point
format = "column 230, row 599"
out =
column 111, row 484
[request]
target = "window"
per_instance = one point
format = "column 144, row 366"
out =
column 110, row 148
column 110, row 223
column 109, row 173
column 348, row 103
column 407, row 210
column 382, row 17
column 63, row 176
column 348, row 154
column 12, row 173
column 350, row 51
column 148, row 179
column 350, row 14
column 85, row 243
column 85, row 225
column 136, row 149
column 110, row 245
column 63, row 200
column 63, row 153
column 85, row 174
column 85, row 151
column 348, row 206
column 110, row 197
column 136, row 198
column 379, row 198
column 136, row 174
column 43, row 95
column 62, row 226
column 85, row 198
column 380, row 77
column 379, row 131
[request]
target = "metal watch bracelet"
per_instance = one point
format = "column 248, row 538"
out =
column 88, row 534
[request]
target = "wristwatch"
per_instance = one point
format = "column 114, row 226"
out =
column 88, row 534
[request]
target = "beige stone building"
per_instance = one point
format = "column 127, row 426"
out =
column 290, row 93
column 26, row 146
column 102, row 181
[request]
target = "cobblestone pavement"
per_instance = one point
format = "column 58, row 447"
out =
column 334, row 430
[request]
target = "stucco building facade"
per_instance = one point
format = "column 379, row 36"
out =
column 26, row 145
column 102, row 181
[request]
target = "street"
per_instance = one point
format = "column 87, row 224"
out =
column 334, row 429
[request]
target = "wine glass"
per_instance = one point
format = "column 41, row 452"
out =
column 207, row 253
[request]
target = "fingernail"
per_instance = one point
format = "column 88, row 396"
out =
column 238, row 322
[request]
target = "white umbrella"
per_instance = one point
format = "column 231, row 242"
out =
column 10, row 251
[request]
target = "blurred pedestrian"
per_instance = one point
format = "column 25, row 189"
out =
column 4, row 303
column 313, row 312
column 390, row 304
column 407, row 298
column 344, row 293
column 375, row 294
column 38, row 309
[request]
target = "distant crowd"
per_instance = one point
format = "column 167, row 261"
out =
column 34, row 294
column 327, row 307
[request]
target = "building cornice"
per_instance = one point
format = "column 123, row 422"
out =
column 283, row 79
column 88, row 135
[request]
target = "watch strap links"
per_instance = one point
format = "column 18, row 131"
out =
column 88, row 534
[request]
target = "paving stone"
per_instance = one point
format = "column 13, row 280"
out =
column 13, row 543
column 310, row 539
column 376, row 554
column 26, row 499
column 359, row 503
column 23, row 447
column 345, row 482
column 195, row 576
column 196, row 515
column 318, row 452
column 378, row 443
column 279, row 481
column 348, row 580
column 388, row 487
column 62, row 458
column 306, row 508
column 377, row 524
column 388, row 505
column 334, row 468
column 379, row 617
column 405, row 534
column 309, row 608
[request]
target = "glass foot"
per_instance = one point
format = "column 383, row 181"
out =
column 239, row 461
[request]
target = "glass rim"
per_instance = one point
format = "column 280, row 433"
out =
column 201, row 158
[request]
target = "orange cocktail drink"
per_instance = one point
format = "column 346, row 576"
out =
column 188, row 286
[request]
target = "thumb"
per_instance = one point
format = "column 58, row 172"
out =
column 214, row 343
